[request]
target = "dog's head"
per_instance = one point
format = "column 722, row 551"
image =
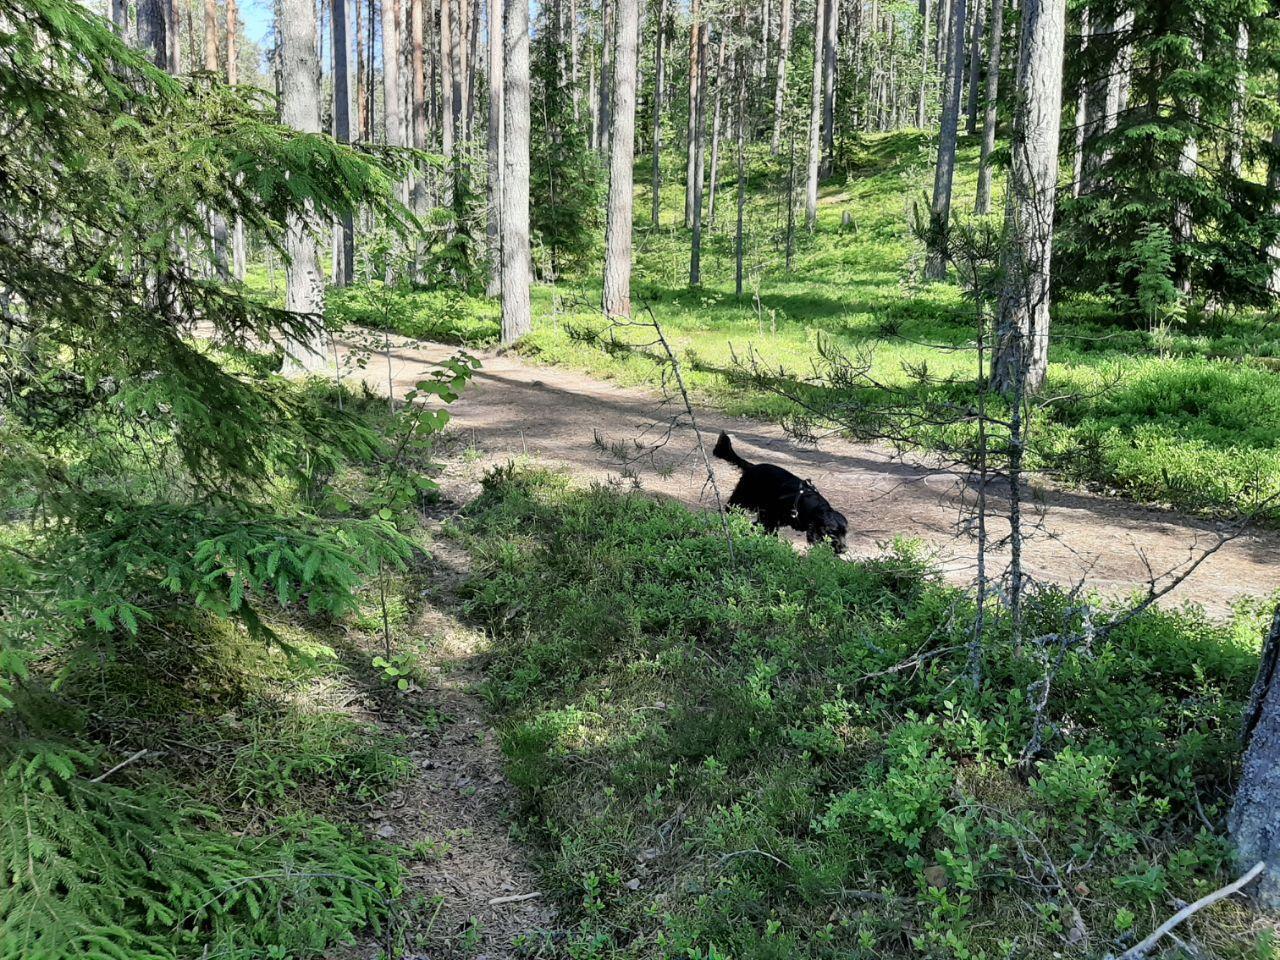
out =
column 829, row 526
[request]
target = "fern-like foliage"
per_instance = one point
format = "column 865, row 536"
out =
column 102, row 872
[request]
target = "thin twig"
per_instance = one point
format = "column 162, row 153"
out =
column 121, row 765
column 1140, row 951
column 517, row 898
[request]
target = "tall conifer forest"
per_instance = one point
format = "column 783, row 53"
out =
column 639, row 479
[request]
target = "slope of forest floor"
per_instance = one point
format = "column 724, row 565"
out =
column 600, row 431
column 744, row 751
column 1187, row 413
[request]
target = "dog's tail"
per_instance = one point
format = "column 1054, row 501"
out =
column 724, row 450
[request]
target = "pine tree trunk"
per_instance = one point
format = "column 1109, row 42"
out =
column 1273, row 188
column 238, row 252
column 830, row 44
column 695, row 34
column 940, row 210
column 922, row 92
column 975, row 65
column 780, row 85
column 119, row 13
column 1099, row 117
column 345, row 240
column 1237, row 125
column 617, row 263
column 659, row 90
column 607, row 17
column 699, row 97
column 990, row 116
column 715, row 132
column 1021, row 356
column 446, row 90
column 573, row 61
column 153, row 31
column 493, row 226
column 815, row 118
column 300, row 109
column 1254, row 820
column 516, row 267
column 391, row 72
column 217, row 222
column 739, row 237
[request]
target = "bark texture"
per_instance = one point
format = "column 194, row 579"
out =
column 1254, row 820
column 516, row 267
column 344, row 241
column 1022, row 326
column 300, row 109
column 815, row 118
column 493, row 225
column 617, row 234
column 940, row 209
column 659, row 92
column 780, row 87
column 995, row 43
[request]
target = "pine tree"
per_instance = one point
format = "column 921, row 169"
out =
column 617, row 263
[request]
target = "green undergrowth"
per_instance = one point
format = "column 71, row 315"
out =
column 1188, row 415
column 233, row 834
column 718, row 756
column 180, row 782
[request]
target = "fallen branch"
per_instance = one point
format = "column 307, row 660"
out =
column 517, row 898
column 1140, row 951
column 120, row 766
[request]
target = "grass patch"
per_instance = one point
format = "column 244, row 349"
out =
column 714, row 762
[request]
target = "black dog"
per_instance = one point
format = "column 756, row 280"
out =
column 779, row 498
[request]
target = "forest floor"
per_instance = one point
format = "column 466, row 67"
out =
column 598, row 431
column 472, row 892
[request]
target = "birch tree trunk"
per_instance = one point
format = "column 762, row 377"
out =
column 659, row 90
column 780, row 86
column 1021, row 356
column 1254, row 819
column 975, row 65
column 300, row 109
column 940, row 211
column 617, row 263
column 995, row 44
column 493, row 225
column 516, row 267
column 815, row 118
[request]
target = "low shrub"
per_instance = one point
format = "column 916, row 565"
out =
column 718, row 756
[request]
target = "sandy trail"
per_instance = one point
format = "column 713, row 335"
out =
column 558, row 417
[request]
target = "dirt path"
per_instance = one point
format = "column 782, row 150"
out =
column 562, row 418
column 471, row 891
